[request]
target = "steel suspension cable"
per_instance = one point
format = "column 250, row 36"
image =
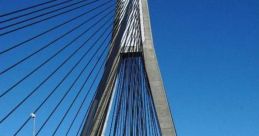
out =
column 46, row 79
column 50, row 12
column 45, row 122
column 114, row 28
column 63, row 96
column 119, row 85
column 39, row 8
column 120, row 100
column 124, row 46
column 50, row 58
column 50, row 17
column 82, row 103
column 39, row 107
column 83, row 120
column 53, row 28
column 85, row 116
column 33, row 12
column 27, row 8
column 44, row 47
column 70, row 106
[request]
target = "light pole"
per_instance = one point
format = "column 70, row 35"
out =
column 33, row 116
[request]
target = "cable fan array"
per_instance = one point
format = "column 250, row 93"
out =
column 53, row 56
column 54, row 65
column 133, row 112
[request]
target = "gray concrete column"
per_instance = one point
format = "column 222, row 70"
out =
column 154, row 76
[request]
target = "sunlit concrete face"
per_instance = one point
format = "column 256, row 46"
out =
column 154, row 76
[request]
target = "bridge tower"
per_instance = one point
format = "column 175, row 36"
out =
column 83, row 67
column 122, row 47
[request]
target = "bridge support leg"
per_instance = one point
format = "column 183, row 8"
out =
column 154, row 76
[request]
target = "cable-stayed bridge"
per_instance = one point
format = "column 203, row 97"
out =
column 80, row 67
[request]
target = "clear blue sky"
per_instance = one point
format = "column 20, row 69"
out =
column 208, row 51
